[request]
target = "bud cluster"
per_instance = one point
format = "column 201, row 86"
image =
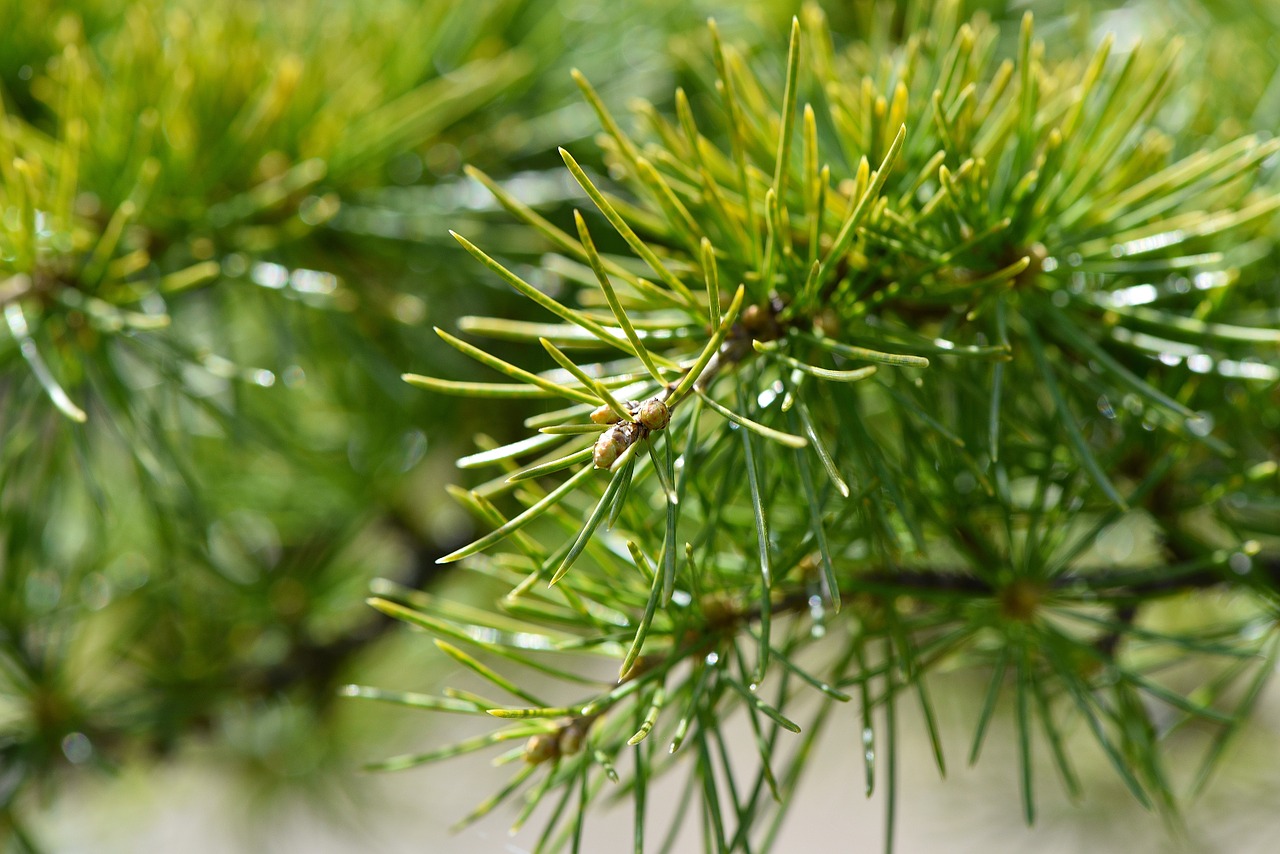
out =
column 653, row 414
column 564, row 741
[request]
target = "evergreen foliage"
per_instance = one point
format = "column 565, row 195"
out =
column 911, row 344
column 204, row 443
column 856, row 361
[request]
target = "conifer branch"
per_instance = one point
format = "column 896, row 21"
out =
column 965, row 296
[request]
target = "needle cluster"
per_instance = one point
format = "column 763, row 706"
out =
column 929, row 318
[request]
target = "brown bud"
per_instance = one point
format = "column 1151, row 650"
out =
column 606, row 450
column 654, row 414
column 541, row 747
column 613, row 442
column 605, row 415
column 628, row 433
column 571, row 738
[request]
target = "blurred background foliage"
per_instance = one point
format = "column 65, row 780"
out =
column 222, row 240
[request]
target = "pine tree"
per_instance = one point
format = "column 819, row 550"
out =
column 859, row 364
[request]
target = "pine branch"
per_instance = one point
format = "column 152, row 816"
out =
column 990, row 237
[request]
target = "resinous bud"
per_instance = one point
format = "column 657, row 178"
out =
column 571, row 740
column 654, row 414
column 606, row 451
column 613, row 442
column 604, row 414
column 541, row 747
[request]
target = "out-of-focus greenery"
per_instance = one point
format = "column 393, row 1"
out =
column 223, row 237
